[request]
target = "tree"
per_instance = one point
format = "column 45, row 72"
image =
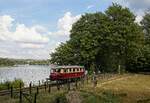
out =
column 144, row 60
column 146, row 25
column 106, row 40
column 126, row 37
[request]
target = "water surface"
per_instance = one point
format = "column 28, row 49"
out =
column 28, row 73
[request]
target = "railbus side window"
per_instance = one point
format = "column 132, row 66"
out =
column 65, row 70
column 62, row 71
column 81, row 69
column 70, row 70
column 76, row 70
column 73, row 69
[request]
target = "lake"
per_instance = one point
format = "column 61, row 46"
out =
column 28, row 73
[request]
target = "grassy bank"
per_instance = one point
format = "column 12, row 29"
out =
column 128, row 88
column 16, row 83
column 133, row 88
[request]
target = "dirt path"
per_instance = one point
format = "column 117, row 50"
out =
column 112, row 80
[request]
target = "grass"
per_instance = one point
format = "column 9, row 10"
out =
column 128, row 88
column 16, row 84
column 105, row 97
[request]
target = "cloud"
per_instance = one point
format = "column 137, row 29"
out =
column 33, row 34
column 36, row 42
column 90, row 6
column 30, row 45
column 64, row 24
column 21, row 33
column 137, row 6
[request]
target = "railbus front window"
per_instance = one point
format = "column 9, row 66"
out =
column 52, row 71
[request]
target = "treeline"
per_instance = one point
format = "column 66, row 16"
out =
column 108, row 42
column 13, row 62
column 6, row 62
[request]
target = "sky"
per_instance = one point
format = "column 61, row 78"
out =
column 32, row 29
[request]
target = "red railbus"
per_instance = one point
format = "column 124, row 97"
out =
column 66, row 72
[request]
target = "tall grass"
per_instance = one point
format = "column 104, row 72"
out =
column 105, row 97
column 15, row 84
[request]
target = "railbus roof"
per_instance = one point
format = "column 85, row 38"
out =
column 65, row 67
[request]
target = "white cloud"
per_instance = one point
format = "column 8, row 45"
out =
column 30, row 45
column 22, row 33
column 65, row 23
column 33, row 34
column 90, row 6
column 137, row 6
column 36, row 42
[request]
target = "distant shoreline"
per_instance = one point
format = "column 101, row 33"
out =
column 7, row 62
column 25, row 65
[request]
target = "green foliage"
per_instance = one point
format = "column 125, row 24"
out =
column 143, row 62
column 14, row 84
column 103, row 41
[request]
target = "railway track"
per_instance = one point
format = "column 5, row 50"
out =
column 49, row 83
column 26, row 89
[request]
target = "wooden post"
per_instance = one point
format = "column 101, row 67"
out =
column 35, row 98
column 30, row 87
column 58, row 87
column 39, row 83
column 119, row 69
column 87, row 78
column 82, row 80
column 20, row 85
column 76, row 84
column 45, row 86
column 8, row 86
column 20, row 97
column 57, row 100
column 49, row 88
column 68, row 85
column 11, row 91
column 37, row 90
